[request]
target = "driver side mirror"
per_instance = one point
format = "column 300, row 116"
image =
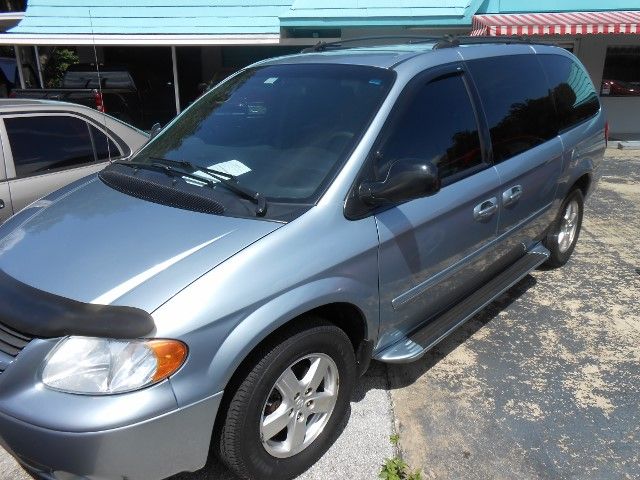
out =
column 408, row 179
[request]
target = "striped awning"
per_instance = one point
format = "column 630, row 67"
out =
column 568, row 23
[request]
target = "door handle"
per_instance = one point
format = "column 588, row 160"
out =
column 511, row 196
column 1, row 204
column 486, row 209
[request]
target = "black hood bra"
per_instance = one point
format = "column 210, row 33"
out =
column 41, row 314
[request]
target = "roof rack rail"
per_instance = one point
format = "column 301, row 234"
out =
column 323, row 46
column 450, row 41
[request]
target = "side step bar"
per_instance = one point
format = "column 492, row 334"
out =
column 415, row 345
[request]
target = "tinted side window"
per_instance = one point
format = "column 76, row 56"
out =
column 439, row 126
column 516, row 102
column 573, row 93
column 105, row 148
column 42, row 144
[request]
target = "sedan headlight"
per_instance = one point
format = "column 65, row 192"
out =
column 100, row 366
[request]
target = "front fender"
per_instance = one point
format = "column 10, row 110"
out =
column 281, row 310
column 240, row 333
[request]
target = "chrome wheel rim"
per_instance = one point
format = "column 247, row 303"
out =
column 568, row 226
column 299, row 405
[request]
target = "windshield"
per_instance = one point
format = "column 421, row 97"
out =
column 280, row 130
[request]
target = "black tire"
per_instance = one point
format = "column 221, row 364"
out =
column 561, row 256
column 240, row 443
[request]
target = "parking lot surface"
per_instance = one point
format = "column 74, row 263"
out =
column 542, row 384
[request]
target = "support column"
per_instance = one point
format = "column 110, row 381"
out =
column 38, row 66
column 176, row 87
column 16, row 49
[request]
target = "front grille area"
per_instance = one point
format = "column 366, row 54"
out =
column 11, row 343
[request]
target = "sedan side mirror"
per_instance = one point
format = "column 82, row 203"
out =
column 155, row 130
column 408, row 179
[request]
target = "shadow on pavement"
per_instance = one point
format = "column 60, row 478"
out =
column 403, row 375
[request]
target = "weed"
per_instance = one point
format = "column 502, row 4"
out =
column 397, row 469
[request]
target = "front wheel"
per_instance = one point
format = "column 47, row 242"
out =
column 564, row 232
column 286, row 412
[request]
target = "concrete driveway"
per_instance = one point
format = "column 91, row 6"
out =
column 545, row 383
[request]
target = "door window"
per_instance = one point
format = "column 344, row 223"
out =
column 43, row 144
column 574, row 95
column 439, row 126
column 516, row 101
column 105, row 148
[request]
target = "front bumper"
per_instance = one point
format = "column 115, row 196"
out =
column 152, row 449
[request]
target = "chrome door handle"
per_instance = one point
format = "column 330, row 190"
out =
column 486, row 209
column 1, row 204
column 511, row 196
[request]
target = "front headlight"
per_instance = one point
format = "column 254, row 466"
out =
column 101, row 366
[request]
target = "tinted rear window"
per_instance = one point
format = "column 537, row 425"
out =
column 46, row 143
column 575, row 98
column 516, row 102
column 92, row 79
column 105, row 148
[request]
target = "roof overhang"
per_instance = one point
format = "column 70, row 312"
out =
column 565, row 23
column 151, row 40
column 10, row 19
column 379, row 13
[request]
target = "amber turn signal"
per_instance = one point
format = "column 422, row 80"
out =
column 170, row 355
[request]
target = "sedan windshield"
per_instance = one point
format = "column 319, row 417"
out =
column 281, row 130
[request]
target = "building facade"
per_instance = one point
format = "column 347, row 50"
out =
column 184, row 47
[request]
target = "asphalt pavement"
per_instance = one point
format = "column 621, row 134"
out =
column 543, row 384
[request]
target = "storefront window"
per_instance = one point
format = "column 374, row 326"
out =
column 621, row 76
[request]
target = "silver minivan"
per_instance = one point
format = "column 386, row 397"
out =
column 45, row 145
column 222, row 290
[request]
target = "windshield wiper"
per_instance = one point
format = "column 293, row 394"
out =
column 228, row 180
column 225, row 179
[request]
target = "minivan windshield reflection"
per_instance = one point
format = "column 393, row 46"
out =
column 281, row 130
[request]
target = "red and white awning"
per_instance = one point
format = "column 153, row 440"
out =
column 574, row 23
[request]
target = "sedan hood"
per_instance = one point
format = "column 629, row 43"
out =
column 93, row 244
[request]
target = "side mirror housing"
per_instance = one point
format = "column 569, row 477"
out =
column 408, row 179
column 155, row 130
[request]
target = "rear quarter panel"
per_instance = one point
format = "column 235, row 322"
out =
column 584, row 147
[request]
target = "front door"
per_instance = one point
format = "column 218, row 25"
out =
column 435, row 249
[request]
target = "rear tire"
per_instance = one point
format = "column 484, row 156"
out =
column 282, row 418
column 565, row 230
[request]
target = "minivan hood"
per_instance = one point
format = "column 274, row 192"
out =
column 93, row 244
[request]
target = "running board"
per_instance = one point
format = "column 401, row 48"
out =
column 411, row 348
